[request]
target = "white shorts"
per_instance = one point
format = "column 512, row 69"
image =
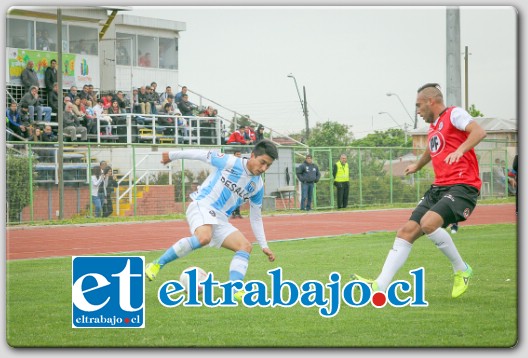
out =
column 199, row 214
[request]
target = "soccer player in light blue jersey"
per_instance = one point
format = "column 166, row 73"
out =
column 232, row 182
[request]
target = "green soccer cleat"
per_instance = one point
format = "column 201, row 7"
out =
column 151, row 270
column 239, row 295
column 373, row 284
column 461, row 281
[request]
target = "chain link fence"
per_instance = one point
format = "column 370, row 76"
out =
column 143, row 187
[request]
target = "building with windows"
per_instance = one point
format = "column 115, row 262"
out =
column 101, row 46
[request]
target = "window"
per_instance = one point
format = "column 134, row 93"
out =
column 83, row 40
column 20, row 34
column 168, row 53
column 46, row 36
column 147, row 51
column 125, row 46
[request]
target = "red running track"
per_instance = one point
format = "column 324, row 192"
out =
column 75, row 240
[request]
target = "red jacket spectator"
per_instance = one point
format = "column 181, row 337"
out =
column 107, row 101
column 250, row 133
column 237, row 137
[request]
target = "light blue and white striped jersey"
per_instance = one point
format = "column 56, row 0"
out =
column 229, row 185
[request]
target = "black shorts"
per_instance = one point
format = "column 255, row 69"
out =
column 453, row 203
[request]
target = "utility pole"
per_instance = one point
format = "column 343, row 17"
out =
column 466, row 77
column 60, row 150
column 453, row 77
column 304, row 105
column 305, row 110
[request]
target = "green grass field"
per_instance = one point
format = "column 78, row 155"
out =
column 39, row 299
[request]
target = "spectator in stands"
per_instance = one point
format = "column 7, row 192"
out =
column 182, row 124
column 107, row 100
column 53, row 98
column 179, row 96
column 170, row 101
column 156, row 97
column 37, row 135
column 32, row 100
column 108, row 187
column 115, row 109
column 85, row 93
column 135, row 100
column 72, row 124
column 102, row 117
column 48, row 135
column 249, row 134
column 72, row 93
column 167, row 110
column 237, row 137
column 164, row 95
column 29, row 77
column 260, row 133
column 15, row 122
column 144, row 100
column 124, row 103
column 91, row 118
column 66, row 100
column 168, row 122
column 151, row 98
column 78, row 110
column 208, row 112
column 24, row 115
column 186, row 108
column 92, row 96
column 97, row 180
column 45, row 154
column 50, row 78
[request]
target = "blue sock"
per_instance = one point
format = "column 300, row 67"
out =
column 239, row 265
column 179, row 249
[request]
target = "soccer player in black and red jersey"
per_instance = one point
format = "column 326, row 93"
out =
column 453, row 195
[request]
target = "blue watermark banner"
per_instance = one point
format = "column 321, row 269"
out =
column 108, row 292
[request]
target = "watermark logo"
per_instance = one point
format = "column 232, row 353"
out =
column 328, row 297
column 108, row 292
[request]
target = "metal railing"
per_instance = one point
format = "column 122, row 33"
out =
column 376, row 176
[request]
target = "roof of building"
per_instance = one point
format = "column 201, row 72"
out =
column 489, row 124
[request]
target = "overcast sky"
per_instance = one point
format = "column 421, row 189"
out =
column 347, row 58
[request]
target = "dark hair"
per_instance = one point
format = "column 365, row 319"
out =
column 107, row 169
column 433, row 91
column 429, row 85
column 266, row 147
